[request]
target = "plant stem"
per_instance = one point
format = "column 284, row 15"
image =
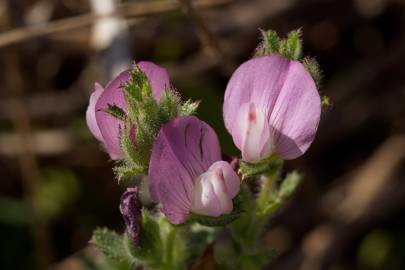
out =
column 170, row 237
column 264, row 194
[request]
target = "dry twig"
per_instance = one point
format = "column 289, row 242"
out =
column 127, row 10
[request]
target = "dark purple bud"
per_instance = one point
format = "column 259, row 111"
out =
column 131, row 212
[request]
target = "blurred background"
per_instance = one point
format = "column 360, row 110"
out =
column 57, row 185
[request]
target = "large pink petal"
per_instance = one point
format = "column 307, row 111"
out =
column 295, row 116
column 109, row 125
column 184, row 149
column 91, row 112
column 158, row 77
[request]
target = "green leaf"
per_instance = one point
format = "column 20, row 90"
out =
column 278, row 198
column 58, row 190
column 112, row 245
column 289, row 185
column 150, row 249
column 198, row 237
column 115, row 111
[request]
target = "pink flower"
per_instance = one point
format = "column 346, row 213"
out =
column 105, row 127
column 186, row 173
column 271, row 106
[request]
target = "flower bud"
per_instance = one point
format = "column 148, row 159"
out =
column 131, row 212
column 105, row 127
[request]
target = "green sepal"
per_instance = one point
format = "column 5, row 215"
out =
column 188, row 108
column 139, row 85
column 169, row 105
column 126, row 171
column 270, row 43
column 215, row 221
column 289, row 47
column 112, row 245
column 294, row 44
column 313, row 68
column 265, row 166
column 127, row 143
column 325, row 101
column 115, row 111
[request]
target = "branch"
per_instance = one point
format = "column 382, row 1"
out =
column 127, row 10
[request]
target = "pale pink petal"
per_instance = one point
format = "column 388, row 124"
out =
column 91, row 112
column 253, row 131
column 214, row 190
column 205, row 200
column 232, row 180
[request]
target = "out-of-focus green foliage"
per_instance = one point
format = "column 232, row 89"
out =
column 376, row 252
column 58, row 190
column 14, row 212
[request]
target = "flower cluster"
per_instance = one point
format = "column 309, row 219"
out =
column 271, row 108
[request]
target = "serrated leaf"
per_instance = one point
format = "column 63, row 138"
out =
column 111, row 245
